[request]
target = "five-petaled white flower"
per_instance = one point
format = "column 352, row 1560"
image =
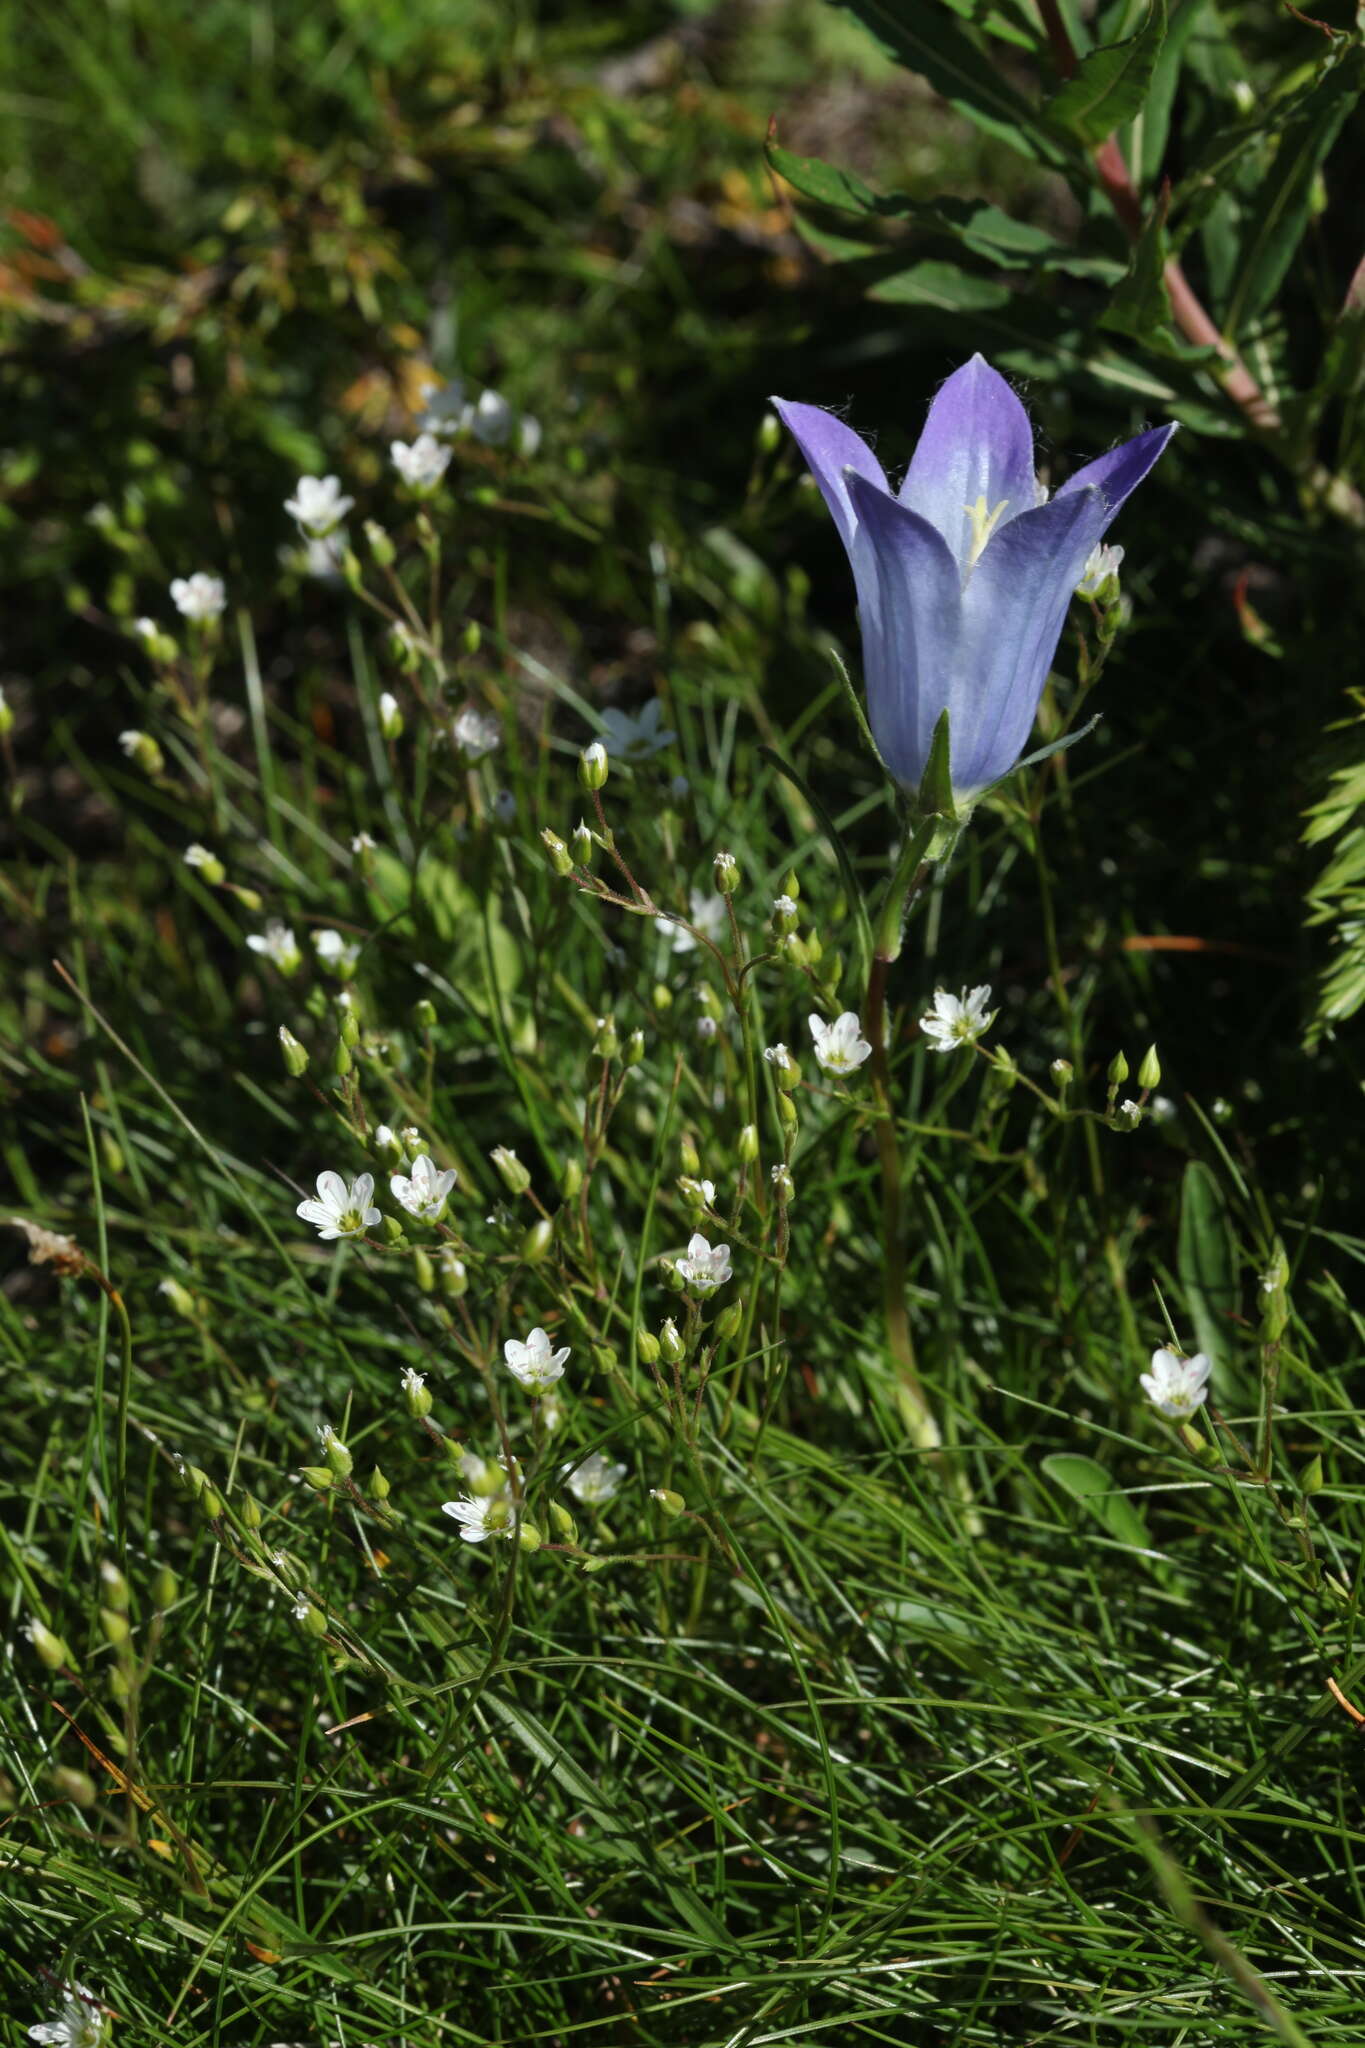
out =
column 534, row 1363
column 705, row 1267
column 708, row 916
column 480, row 1519
column 958, row 1020
column 318, row 504
column 199, row 597
column 635, row 739
column 595, row 1480
column 840, row 1047
column 424, row 1192
column 1177, row 1386
column 490, row 421
column 79, row 2024
column 335, row 953
column 278, row 945
column 341, row 1211
column 475, row 732
column 420, row 463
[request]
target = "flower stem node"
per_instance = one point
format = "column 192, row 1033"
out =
column 593, row 766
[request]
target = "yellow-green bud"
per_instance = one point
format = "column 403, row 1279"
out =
column 335, row 1451
column 341, row 1059
column 416, row 1395
column 51, row 1651
column 727, row 873
column 143, row 751
column 786, row 1112
column 672, row 1503
column 378, row 1487
column 538, row 1240
column 114, row 1627
column 634, row 1049
column 472, row 637
column 393, row 1230
column 769, row 436
column 390, row 711
column 1149, row 1073
column 1312, row 1480
column 671, row 1344
column 179, row 1299
column 729, row 1321
column 352, row 573
column 593, row 766
column 1063, row 1073
column 661, row 996
column 528, row 1536
column 560, row 858
column 249, row 1512
column 319, row 1477
column 514, row 1176
column 747, row 1146
column 113, row 1588
column 451, row 1274
column 166, row 1587
column 646, row 1347
column 1118, row 1070
column 670, row 1276
column 310, row 1619
column 210, row 867
column 77, row 1786
column 604, row 1358
column 582, row 845
column 606, row 1043
column 6, row 717
column 689, row 1159
column 563, row 1521
column 379, row 543
column 570, row 1179
column 423, row 1272
column 350, row 1025
column 204, row 1491
column 294, row 1055
column 424, row 1013
column 121, row 1682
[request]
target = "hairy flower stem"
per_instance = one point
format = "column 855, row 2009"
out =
column 906, row 883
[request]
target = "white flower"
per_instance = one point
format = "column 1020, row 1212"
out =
column 475, row 732
column 341, row 1211
column 422, row 463
column 412, row 1381
column 146, row 629
column 784, row 907
column 709, row 916
column 335, row 953
column 79, row 2024
column 1177, row 1386
column 635, row 739
column 1102, row 564
column 361, row 845
column 595, row 1480
column 132, row 743
column 707, row 1027
column 318, row 505
column 528, row 434
column 958, row 1020
column 278, row 944
column 490, row 421
column 1161, row 1109
column 839, row 1047
column 197, row 856
column 705, row 1267
column 480, row 1519
column 424, row 1193
column 534, row 1363
column 199, row 597
column 445, row 409
column 390, row 716
column 776, row 1055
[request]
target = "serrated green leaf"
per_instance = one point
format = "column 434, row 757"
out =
column 1089, row 1483
column 1207, row 1261
column 930, row 43
column 1278, row 213
column 1111, row 84
column 1141, row 305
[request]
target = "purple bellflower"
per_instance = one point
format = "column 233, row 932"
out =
column 964, row 575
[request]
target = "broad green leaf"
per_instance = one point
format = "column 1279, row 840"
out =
column 1110, row 85
column 1207, row 1260
column 942, row 285
column 825, row 183
column 1278, row 213
column 1089, row 1483
column 1141, row 305
column 978, row 225
column 928, row 41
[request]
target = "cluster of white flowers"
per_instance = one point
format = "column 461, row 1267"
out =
column 489, row 418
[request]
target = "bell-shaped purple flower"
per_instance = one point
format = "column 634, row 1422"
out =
column 964, row 575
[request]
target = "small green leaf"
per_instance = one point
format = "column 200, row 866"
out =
column 942, row 285
column 1207, row 1260
column 1089, row 1483
column 1110, row 84
column 1141, row 305
column 825, row 183
column 928, row 41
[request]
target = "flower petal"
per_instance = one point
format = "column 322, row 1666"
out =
column 977, row 443
column 332, row 1189
column 1013, row 611
column 1118, row 474
column 831, row 449
column 362, row 1188
column 910, row 590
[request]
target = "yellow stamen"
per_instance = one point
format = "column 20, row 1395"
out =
column 983, row 526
